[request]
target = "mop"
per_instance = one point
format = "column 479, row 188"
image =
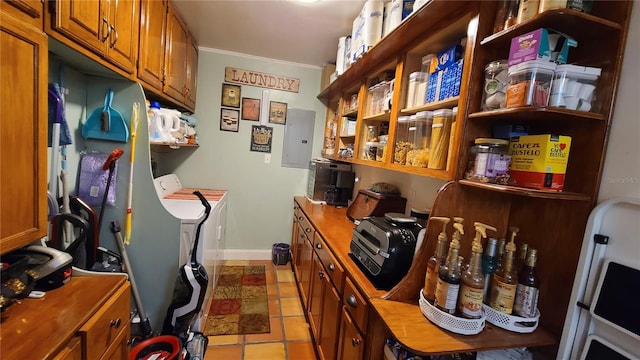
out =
column 134, row 127
column 59, row 135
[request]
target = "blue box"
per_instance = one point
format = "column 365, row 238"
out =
column 449, row 56
column 509, row 131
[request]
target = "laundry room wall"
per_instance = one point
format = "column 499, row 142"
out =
column 260, row 194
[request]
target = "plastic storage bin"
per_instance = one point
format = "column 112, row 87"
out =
column 440, row 136
column 574, row 87
column 530, row 83
column 418, row 155
column 403, row 143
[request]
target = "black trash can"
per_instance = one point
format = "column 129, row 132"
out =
column 280, row 253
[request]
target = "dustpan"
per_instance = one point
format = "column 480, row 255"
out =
column 106, row 123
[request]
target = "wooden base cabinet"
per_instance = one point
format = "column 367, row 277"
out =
column 352, row 342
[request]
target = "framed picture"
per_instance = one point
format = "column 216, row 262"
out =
column 261, row 138
column 277, row 112
column 231, row 95
column 250, row 109
column 229, row 119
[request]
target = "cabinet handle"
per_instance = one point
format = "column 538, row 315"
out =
column 114, row 38
column 300, row 218
column 105, row 23
column 355, row 341
column 331, row 266
column 321, row 274
column 307, row 230
column 115, row 323
column 318, row 246
column 351, row 300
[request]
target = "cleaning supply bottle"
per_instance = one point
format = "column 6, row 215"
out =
column 528, row 287
column 448, row 284
column 435, row 261
column 489, row 264
column 505, row 280
column 472, row 280
column 155, row 120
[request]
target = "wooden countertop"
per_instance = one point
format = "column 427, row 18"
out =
column 404, row 320
column 39, row 328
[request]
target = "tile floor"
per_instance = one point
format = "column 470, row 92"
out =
column 289, row 337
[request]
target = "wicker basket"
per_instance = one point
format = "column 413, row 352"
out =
column 512, row 322
column 449, row 322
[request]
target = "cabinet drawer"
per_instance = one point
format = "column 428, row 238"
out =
column 356, row 305
column 306, row 226
column 103, row 328
column 72, row 351
column 331, row 265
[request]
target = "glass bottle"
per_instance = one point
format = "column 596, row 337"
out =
column 500, row 255
column 489, row 262
column 505, row 280
column 528, row 287
column 522, row 257
column 435, row 261
column 472, row 281
column 448, row 284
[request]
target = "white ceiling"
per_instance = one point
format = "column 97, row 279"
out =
column 288, row 30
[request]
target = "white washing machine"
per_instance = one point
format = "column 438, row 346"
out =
column 184, row 205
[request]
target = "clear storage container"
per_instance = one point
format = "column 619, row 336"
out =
column 402, row 142
column 490, row 161
column 440, row 135
column 381, row 153
column 370, row 150
column 419, row 153
column 496, row 81
column 530, row 83
column 574, row 87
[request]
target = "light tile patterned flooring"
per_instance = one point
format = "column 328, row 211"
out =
column 289, row 338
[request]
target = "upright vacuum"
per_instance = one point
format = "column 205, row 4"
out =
column 190, row 288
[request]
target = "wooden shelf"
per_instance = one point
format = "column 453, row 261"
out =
column 446, row 103
column 529, row 112
column 562, row 20
column 352, row 113
column 378, row 117
column 412, row 329
column 514, row 190
column 438, row 174
column 172, row 145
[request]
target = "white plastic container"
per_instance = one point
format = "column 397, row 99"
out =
column 574, row 87
column 530, row 83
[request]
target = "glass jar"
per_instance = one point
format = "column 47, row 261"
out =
column 370, row 151
column 402, row 143
column 490, row 161
column 381, row 152
column 496, row 80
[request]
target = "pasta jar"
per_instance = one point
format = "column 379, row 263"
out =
column 490, row 161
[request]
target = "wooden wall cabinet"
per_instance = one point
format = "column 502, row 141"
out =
column 23, row 148
column 109, row 29
column 169, row 65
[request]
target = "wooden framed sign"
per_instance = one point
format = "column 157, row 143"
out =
column 255, row 78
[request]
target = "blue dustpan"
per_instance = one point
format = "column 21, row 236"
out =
column 106, row 123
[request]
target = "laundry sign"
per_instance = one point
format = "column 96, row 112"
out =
column 255, row 78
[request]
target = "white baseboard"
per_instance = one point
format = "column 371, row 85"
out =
column 241, row 254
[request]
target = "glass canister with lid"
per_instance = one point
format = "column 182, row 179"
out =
column 419, row 154
column 490, row 161
column 496, row 80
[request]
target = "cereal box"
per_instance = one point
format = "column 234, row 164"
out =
column 539, row 161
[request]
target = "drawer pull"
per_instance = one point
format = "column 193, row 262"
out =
column 300, row 218
column 355, row 341
column 351, row 300
column 115, row 323
column 321, row 274
column 318, row 246
column 331, row 266
column 307, row 230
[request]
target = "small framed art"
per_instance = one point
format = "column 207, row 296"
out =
column 231, row 95
column 229, row 119
column 250, row 109
column 277, row 112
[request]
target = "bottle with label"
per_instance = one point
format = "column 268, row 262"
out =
column 505, row 279
column 528, row 288
column 472, row 280
column 527, row 10
column 434, row 263
column 448, row 284
column 500, row 256
column 489, row 263
column 522, row 257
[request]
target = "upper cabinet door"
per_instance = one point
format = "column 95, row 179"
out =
column 122, row 43
column 175, row 56
column 84, row 21
column 23, row 143
column 192, row 75
column 153, row 15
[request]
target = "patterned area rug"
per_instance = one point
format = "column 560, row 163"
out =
column 240, row 304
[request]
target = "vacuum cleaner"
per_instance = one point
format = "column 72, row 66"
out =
column 190, row 288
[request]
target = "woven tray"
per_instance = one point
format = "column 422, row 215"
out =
column 449, row 322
